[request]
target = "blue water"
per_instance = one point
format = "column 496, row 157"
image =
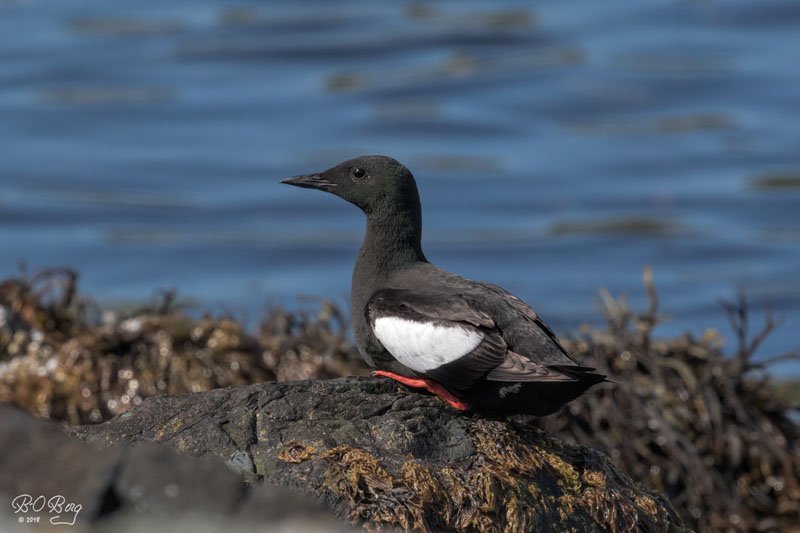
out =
column 559, row 147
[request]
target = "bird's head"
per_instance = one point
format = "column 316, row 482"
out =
column 371, row 182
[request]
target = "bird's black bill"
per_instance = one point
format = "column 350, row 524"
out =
column 309, row 181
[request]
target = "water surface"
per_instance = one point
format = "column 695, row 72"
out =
column 559, row 147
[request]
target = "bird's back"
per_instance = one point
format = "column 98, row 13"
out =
column 521, row 328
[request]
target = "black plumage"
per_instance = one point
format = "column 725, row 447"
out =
column 513, row 363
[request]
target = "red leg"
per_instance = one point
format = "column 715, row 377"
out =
column 429, row 385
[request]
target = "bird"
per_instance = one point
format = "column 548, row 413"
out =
column 471, row 343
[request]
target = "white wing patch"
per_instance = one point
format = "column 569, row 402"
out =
column 424, row 346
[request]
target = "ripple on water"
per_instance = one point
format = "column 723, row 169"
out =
column 124, row 27
column 776, row 181
column 632, row 226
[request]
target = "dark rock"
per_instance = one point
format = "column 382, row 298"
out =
column 379, row 454
column 123, row 488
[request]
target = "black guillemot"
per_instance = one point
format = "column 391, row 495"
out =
column 471, row 343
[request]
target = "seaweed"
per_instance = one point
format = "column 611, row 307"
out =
column 711, row 431
column 519, row 479
column 59, row 360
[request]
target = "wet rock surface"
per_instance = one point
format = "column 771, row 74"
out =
column 380, row 455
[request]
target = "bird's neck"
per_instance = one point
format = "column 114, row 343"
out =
column 392, row 242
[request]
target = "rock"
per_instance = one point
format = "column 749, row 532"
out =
column 382, row 455
column 126, row 488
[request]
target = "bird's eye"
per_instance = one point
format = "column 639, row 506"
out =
column 358, row 173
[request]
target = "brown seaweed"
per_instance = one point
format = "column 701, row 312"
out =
column 57, row 362
column 711, row 431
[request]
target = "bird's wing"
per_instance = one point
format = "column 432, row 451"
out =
column 527, row 314
column 448, row 337
column 431, row 305
column 516, row 367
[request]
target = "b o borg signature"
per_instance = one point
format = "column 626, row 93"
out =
column 61, row 512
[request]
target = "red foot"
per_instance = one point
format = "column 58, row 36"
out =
column 429, row 385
